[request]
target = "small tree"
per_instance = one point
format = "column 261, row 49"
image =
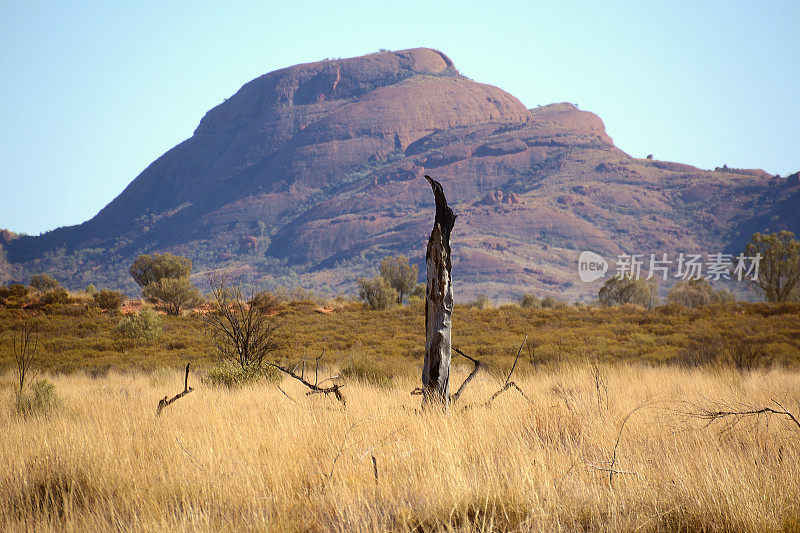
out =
column 779, row 268
column 23, row 351
column 243, row 335
column 173, row 294
column 148, row 269
column 620, row 290
column 377, row 293
column 44, row 283
column 401, row 276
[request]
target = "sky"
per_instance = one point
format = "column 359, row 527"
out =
column 92, row 92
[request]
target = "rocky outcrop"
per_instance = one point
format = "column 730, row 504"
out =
column 310, row 174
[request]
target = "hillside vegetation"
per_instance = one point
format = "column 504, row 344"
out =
column 74, row 337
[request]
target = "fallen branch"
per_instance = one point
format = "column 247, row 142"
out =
column 508, row 384
column 316, row 387
column 711, row 415
column 611, row 471
column 186, row 390
column 477, row 363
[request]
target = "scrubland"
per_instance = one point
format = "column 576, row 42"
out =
column 608, row 439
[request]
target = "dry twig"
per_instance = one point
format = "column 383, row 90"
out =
column 316, row 387
column 186, row 390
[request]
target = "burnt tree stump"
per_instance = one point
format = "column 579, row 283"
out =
column 438, row 304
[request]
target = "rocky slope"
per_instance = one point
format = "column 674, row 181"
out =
column 309, row 174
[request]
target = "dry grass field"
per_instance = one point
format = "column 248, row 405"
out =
column 258, row 459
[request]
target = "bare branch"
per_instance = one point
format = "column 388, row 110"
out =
column 516, row 359
column 164, row 402
column 475, row 369
column 316, row 387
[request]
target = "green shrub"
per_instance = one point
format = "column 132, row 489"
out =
column 41, row 398
column 143, row 326
column 482, row 302
column 530, row 300
column 108, row 300
column 14, row 291
column 234, row 377
column 149, row 269
column 401, row 276
column 377, row 293
column 44, row 283
column 621, row 290
column 173, row 294
column 14, row 296
column 265, row 301
column 552, row 303
column 54, row 297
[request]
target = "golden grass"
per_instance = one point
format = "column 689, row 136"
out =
column 251, row 459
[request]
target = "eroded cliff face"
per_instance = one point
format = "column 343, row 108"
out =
column 309, row 174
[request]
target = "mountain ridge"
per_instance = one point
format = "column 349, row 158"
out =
column 308, row 174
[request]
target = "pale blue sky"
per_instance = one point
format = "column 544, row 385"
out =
column 92, row 92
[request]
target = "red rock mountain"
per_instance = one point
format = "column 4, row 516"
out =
column 308, row 175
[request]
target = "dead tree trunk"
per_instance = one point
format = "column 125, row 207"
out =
column 438, row 304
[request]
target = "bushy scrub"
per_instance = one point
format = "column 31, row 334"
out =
column 234, row 377
column 39, row 398
column 55, row 297
column 14, row 296
column 482, row 302
column 377, row 293
column 530, row 301
column 144, row 326
column 108, row 300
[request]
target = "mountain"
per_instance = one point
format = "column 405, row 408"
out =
column 308, row 175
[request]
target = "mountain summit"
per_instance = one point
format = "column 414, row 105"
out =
column 309, row 174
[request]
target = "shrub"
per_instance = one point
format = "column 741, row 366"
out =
column 234, row 377
column 44, row 283
column 401, row 276
column 14, row 295
column 530, row 300
column 242, row 334
column 149, row 269
column 621, row 290
column 143, row 326
column 696, row 292
column 549, row 302
column 482, row 302
column 14, row 291
column 173, row 294
column 55, row 296
column 40, row 399
column 691, row 293
column 377, row 293
column 265, row 301
column 108, row 300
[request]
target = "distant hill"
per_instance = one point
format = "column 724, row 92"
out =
column 308, row 175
